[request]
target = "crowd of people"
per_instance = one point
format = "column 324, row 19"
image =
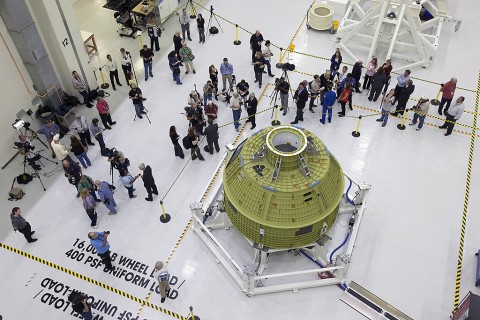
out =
column 336, row 86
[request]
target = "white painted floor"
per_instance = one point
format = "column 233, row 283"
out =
column 406, row 251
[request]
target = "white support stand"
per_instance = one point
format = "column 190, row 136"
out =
column 255, row 276
column 393, row 28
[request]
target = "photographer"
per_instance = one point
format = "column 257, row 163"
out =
column 194, row 148
column 80, row 304
column 314, row 87
column 194, row 98
column 117, row 159
column 174, row 65
column 213, row 72
column 208, row 92
column 242, row 89
column 284, row 88
column 258, row 63
column 105, row 192
column 73, row 173
column 196, row 118
column 135, row 95
column 49, row 129
column 98, row 240
column 211, row 110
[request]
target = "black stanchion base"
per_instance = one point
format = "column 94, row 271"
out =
column 435, row 102
column 165, row 219
column 401, row 127
column 276, row 123
column 356, row 134
column 104, row 86
column 237, row 42
column 195, row 318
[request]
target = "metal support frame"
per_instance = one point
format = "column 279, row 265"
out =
column 254, row 282
column 393, row 28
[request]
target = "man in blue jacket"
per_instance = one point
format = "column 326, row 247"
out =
column 99, row 241
column 328, row 103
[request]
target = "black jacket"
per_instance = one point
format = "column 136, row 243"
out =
column 147, row 176
column 357, row 72
column 378, row 80
column 252, row 106
column 177, row 42
column 211, row 132
column 405, row 93
column 302, row 98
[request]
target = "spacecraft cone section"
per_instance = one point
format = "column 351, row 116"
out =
column 283, row 187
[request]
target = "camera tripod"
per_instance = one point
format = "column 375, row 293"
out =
column 212, row 15
column 145, row 112
column 133, row 68
column 275, row 94
column 31, row 161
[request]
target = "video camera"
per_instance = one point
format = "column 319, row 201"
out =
column 19, row 124
column 24, row 145
column 285, row 66
column 77, row 297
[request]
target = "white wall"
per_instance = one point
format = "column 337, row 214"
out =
column 50, row 24
column 13, row 92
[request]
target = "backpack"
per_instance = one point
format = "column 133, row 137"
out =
column 15, row 194
column 24, row 178
column 187, row 144
column 213, row 30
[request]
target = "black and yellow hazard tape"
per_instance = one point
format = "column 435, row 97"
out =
column 92, row 281
column 463, row 227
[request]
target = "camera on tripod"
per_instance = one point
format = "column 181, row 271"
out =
column 76, row 297
column 19, row 124
column 285, row 66
column 25, row 146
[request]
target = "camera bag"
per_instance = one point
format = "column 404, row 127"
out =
column 187, row 144
column 213, row 30
column 24, row 178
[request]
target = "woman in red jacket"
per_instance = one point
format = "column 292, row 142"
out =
column 343, row 98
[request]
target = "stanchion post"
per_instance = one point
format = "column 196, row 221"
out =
column 401, row 126
column 280, row 56
column 275, row 121
column 191, row 316
column 236, row 42
column 104, row 85
column 165, row 217
column 356, row 133
column 435, row 101
column 139, row 35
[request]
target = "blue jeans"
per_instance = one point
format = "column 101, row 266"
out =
column 84, row 158
column 236, row 117
column 206, row 98
column 138, row 109
column 326, row 110
column 416, row 117
column 176, row 77
column 130, row 191
column 384, row 116
column 87, row 315
column 148, row 69
column 110, row 204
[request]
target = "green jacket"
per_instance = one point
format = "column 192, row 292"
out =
column 85, row 185
column 185, row 53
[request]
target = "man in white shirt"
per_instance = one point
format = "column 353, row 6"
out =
column 163, row 277
column 452, row 115
column 112, row 68
column 126, row 62
column 60, row 150
column 267, row 54
column 80, row 126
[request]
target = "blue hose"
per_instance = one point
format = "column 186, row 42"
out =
column 341, row 245
column 342, row 286
column 346, row 193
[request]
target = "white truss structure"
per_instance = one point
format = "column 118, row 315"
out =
column 393, row 28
